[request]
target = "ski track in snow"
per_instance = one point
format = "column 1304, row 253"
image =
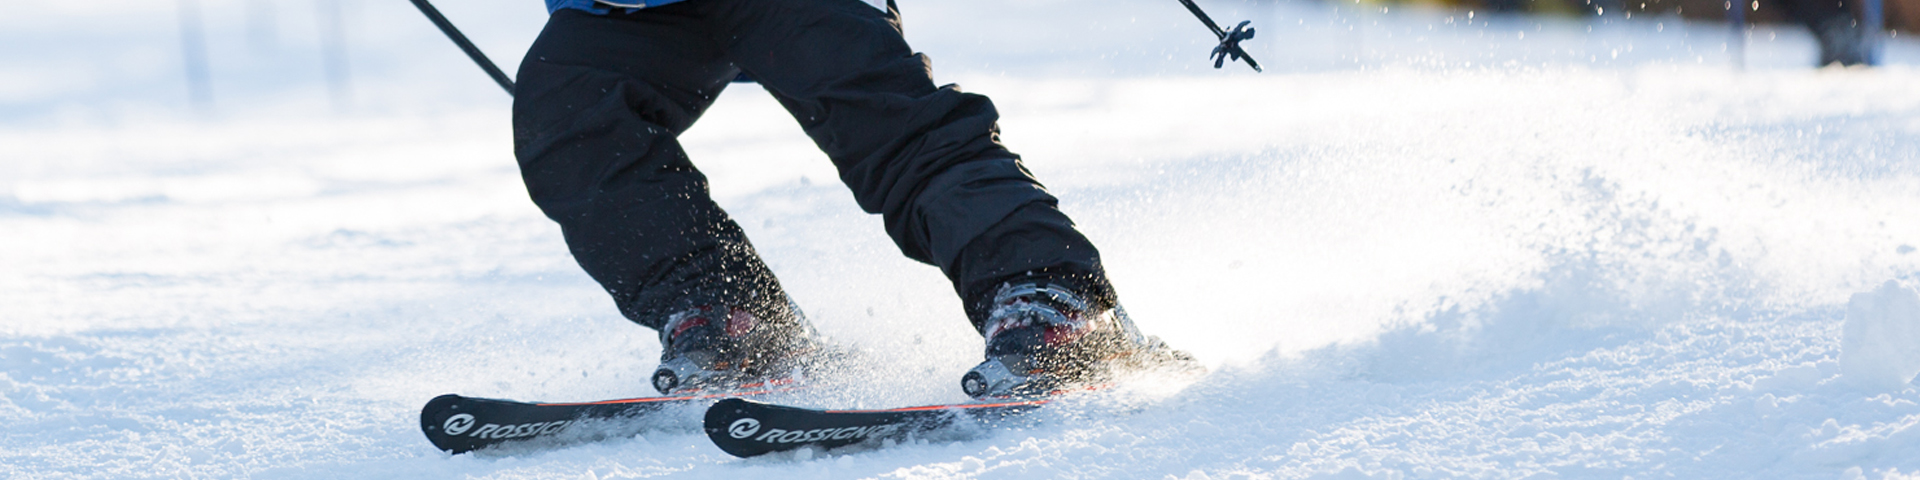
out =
column 1420, row 246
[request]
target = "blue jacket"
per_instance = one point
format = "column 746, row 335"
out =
column 601, row 8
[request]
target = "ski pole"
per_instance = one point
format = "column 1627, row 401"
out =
column 1737, row 26
column 1229, row 47
column 465, row 46
column 1875, row 20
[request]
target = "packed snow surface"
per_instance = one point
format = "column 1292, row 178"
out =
column 1423, row 244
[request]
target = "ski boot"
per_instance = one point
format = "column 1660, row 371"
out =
column 728, row 349
column 1044, row 339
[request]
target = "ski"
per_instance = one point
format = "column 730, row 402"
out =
column 459, row 424
column 746, row 428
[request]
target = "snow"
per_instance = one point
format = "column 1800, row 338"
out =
column 1877, row 345
column 1422, row 245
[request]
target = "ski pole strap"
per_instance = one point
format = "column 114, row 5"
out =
column 1229, row 48
column 465, row 45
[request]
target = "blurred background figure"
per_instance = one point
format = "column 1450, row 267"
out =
column 1844, row 36
column 1849, row 32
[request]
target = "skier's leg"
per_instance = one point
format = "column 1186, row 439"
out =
column 599, row 103
column 927, row 158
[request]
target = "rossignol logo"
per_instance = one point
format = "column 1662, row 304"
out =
column 743, row 428
column 776, row 435
column 458, row 424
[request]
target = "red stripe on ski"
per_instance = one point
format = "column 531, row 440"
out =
column 957, row 406
column 968, row 406
column 779, row 386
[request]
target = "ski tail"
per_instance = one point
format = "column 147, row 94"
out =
column 745, row 428
column 458, row 424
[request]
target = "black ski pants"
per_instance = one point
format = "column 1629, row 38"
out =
column 601, row 99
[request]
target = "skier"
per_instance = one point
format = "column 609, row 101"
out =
column 608, row 86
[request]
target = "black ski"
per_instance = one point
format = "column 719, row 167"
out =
column 746, row 428
column 460, row 424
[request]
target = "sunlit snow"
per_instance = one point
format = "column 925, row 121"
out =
column 1423, row 244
